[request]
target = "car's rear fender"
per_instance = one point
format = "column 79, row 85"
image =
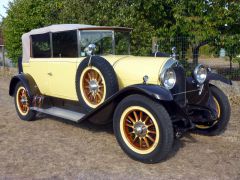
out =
column 27, row 82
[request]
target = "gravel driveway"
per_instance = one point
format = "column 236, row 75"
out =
column 52, row 148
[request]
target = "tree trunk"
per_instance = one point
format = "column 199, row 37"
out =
column 195, row 51
column 230, row 59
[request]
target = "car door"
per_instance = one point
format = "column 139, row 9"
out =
column 62, row 67
column 38, row 63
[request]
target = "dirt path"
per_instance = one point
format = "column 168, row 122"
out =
column 56, row 149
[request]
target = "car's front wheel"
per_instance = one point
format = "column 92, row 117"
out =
column 22, row 103
column 143, row 129
column 223, row 115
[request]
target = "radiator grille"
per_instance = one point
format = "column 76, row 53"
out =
column 180, row 87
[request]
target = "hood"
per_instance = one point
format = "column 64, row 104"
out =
column 131, row 69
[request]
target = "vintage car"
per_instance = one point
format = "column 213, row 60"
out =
column 84, row 72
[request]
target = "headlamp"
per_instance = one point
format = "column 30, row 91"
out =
column 200, row 74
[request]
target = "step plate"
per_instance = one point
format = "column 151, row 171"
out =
column 60, row 112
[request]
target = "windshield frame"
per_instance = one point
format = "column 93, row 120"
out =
column 128, row 40
column 113, row 40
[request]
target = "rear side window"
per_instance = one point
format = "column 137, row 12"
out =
column 41, row 47
column 65, row 44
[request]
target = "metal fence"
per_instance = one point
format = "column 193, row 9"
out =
column 4, row 61
column 217, row 58
column 2, row 55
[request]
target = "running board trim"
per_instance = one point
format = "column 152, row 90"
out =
column 60, row 112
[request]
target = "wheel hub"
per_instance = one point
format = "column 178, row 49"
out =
column 24, row 100
column 140, row 129
column 93, row 86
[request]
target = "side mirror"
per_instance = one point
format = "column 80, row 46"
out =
column 90, row 49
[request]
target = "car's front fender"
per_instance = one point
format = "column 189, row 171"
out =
column 104, row 112
column 153, row 91
column 218, row 77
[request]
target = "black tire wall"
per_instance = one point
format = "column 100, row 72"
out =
column 108, row 73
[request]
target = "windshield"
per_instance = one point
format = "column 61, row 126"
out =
column 101, row 39
column 104, row 42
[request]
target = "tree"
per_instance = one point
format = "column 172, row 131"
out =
column 25, row 15
column 229, row 35
column 231, row 44
column 204, row 21
column 147, row 18
column 193, row 22
column 201, row 22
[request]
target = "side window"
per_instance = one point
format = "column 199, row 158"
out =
column 41, row 47
column 65, row 44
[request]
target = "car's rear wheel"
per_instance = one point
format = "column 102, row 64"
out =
column 22, row 103
column 143, row 129
column 223, row 115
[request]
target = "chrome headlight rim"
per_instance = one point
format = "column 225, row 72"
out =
column 164, row 81
column 200, row 78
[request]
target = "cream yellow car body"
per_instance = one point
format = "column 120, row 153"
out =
column 56, row 76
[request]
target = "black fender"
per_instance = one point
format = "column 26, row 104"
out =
column 103, row 113
column 218, row 77
column 28, row 83
column 192, row 88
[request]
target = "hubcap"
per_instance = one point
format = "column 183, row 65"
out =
column 139, row 129
column 93, row 86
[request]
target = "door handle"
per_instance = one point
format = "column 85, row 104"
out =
column 50, row 74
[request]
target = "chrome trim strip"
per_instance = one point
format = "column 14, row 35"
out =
column 185, row 92
column 170, row 63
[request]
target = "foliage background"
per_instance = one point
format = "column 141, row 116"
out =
column 201, row 22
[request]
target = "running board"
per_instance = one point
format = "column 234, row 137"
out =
column 60, row 112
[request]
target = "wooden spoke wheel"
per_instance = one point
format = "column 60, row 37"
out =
column 143, row 129
column 22, row 101
column 93, row 86
column 139, row 129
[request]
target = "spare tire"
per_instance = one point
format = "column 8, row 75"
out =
column 95, row 82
